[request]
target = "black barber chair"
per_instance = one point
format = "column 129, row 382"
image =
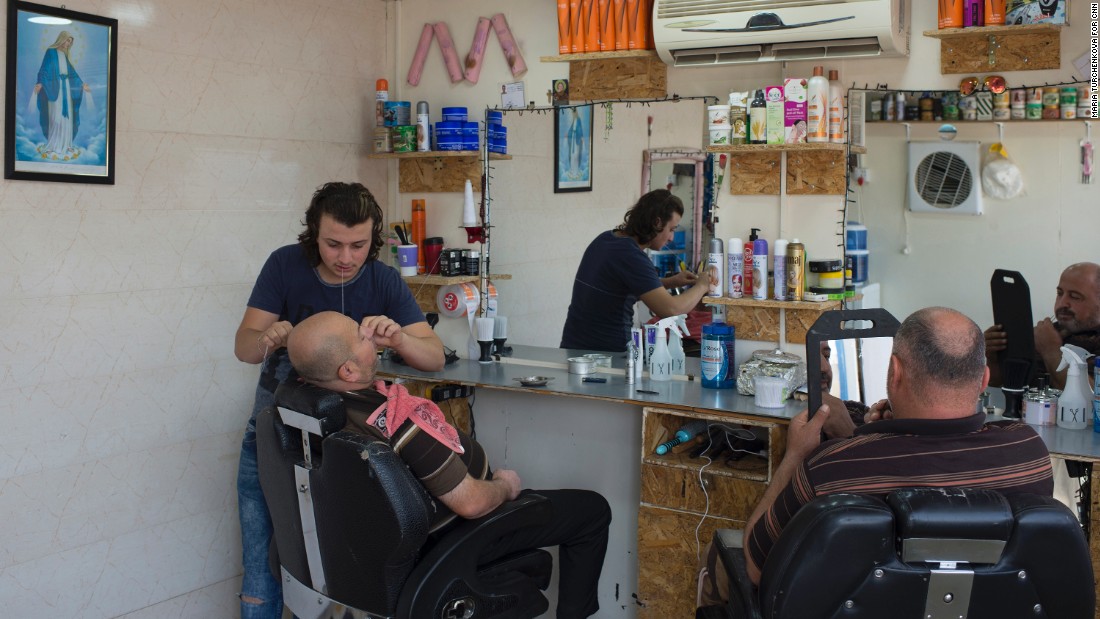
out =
column 921, row 553
column 351, row 527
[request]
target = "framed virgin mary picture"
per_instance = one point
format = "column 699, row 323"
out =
column 572, row 148
column 59, row 121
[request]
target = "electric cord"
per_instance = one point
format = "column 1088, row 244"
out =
column 738, row 433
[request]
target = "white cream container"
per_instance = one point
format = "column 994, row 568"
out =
column 719, row 135
column 718, row 115
column 771, row 391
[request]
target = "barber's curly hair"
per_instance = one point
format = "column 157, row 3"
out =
column 349, row 204
column 645, row 220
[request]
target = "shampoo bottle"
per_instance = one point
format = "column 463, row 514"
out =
column 715, row 258
column 735, row 263
column 760, row 269
column 779, row 270
column 817, row 112
column 1076, row 398
column 1096, row 397
column 747, row 279
column 716, row 356
column 836, row 108
column 758, row 119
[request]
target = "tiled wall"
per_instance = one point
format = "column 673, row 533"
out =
column 121, row 403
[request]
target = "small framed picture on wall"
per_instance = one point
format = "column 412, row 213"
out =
column 59, row 114
column 573, row 149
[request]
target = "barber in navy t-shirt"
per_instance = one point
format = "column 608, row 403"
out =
column 333, row 267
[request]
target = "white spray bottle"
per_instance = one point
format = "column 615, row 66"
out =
column 660, row 364
column 1075, row 403
column 677, row 325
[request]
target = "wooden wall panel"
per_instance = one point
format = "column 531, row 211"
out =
column 617, row 78
column 1011, row 52
column 816, row 172
column 443, row 174
column 755, row 173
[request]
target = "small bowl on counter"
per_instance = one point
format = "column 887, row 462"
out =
column 534, row 381
column 581, row 365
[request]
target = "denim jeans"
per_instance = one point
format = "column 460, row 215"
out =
column 258, row 582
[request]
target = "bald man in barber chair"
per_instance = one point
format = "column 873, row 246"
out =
column 1077, row 322
column 331, row 351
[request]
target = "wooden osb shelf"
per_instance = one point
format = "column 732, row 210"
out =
column 801, row 146
column 438, row 171
column 813, row 168
column 759, row 320
column 1026, row 47
column 628, row 74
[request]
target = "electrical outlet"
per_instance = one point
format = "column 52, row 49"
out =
column 861, row 176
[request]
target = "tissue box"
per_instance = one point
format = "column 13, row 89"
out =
column 773, row 114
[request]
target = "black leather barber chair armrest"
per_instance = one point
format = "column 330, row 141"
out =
column 742, row 594
column 450, row 570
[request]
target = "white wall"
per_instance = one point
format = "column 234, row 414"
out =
column 121, row 402
column 950, row 258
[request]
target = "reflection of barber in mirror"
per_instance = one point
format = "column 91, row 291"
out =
column 615, row 273
column 841, row 425
column 1077, row 322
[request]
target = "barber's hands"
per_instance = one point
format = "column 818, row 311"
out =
column 804, row 434
column 680, row 279
column 274, row 336
column 511, row 482
column 995, row 340
column 382, row 331
column 879, row 410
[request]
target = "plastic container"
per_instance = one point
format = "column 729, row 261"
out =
column 770, row 391
column 433, row 247
column 718, row 135
column 397, row 113
column 717, row 356
column 497, row 138
column 448, row 135
column 454, row 114
column 494, row 117
column 718, row 115
column 856, row 236
column 1096, row 397
column 859, row 265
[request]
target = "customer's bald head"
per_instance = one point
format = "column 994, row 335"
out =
column 321, row 344
column 943, row 352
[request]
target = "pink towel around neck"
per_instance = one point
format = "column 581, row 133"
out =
column 401, row 405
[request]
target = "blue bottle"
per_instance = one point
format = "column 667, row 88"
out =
column 716, row 356
column 1096, row 396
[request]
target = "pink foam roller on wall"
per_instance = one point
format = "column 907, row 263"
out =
column 450, row 56
column 508, row 44
column 416, row 69
column 477, row 50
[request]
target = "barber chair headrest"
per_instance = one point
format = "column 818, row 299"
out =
column 951, row 524
column 326, row 406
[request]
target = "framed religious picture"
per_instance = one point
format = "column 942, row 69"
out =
column 573, row 148
column 59, row 115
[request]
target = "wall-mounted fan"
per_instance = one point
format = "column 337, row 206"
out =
column 944, row 177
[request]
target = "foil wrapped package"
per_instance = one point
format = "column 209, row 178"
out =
column 777, row 363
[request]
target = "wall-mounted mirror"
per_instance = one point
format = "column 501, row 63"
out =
column 680, row 170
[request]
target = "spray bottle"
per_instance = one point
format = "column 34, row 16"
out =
column 735, row 269
column 1076, row 398
column 660, row 364
column 779, row 270
column 759, row 269
column 677, row 325
column 714, row 268
column 747, row 283
column 1096, row 396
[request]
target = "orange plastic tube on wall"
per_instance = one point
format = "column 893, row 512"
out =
column 622, row 26
column 565, row 38
column 638, row 22
column 576, row 33
column 591, row 25
column 418, row 233
column 607, row 25
column 649, row 43
column 416, row 69
column 508, row 45
column 995, row 12
column 951, row 13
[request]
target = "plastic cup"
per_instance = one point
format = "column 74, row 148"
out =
column 771, row 391
column 406, row 258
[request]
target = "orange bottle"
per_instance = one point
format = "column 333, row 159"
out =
column 565, row 36
column 418, row 233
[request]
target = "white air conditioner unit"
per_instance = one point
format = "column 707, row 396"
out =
column 944, row 178
column 693, row 33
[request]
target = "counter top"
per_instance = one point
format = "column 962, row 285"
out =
column 551, row 362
